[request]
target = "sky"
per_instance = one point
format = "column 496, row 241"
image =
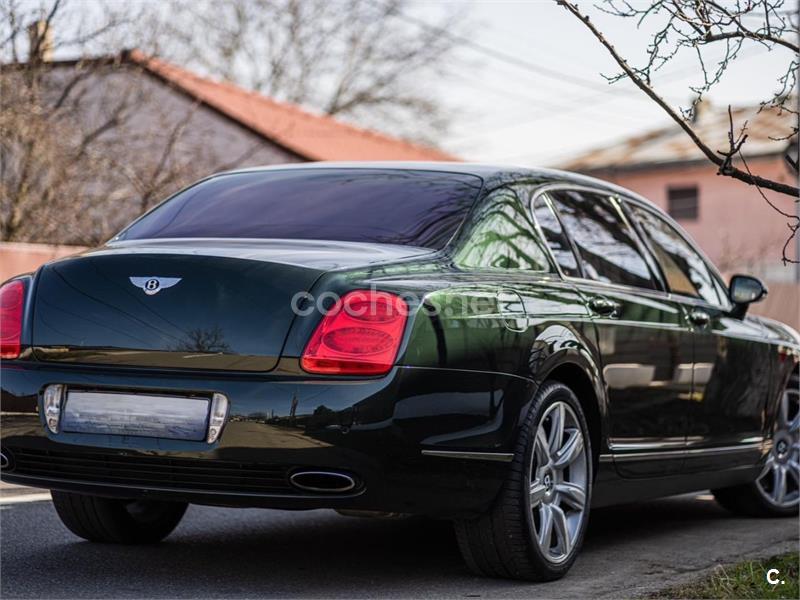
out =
column 505, row 114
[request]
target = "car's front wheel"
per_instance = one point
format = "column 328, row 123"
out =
column 117, row 521
column 536, row 526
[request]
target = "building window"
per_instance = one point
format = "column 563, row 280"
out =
column 682, row 203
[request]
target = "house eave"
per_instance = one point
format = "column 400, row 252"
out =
column 658, row 165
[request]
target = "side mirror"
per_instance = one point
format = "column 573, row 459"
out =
column 743, row 291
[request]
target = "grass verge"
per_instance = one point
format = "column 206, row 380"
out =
column 745, row 581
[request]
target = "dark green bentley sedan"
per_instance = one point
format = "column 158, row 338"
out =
column 502, row 347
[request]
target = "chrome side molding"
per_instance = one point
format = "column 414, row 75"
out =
column 494, row 456
column 666, row 454
column 686, row 452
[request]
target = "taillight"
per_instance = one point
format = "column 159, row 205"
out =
column 359, row 336
column 12, row 302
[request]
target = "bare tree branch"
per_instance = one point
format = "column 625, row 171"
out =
column 641, row 79
column 351, row 58
column 84, row 146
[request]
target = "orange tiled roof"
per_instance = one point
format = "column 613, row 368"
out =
column 311, row 136
column 672, row 145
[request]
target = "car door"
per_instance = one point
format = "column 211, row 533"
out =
column 645, row 347
column 731, row 376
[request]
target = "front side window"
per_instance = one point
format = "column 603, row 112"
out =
column 556, row 238
column 684, row 269
column 392, row 206
column 606, row 244
column 502, row 236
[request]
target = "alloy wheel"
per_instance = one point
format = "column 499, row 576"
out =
column 779, row 481
column 559, row 480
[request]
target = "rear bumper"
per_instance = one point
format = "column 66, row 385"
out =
column 373, row 430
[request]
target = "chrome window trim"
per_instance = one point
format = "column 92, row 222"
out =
column 614, row 198
column 540, row 231
column 541, row 192
column 717, row 285
column 641, row 244
column 647, row 205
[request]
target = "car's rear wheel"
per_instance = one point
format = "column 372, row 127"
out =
column 117, row 521
column 776, row 492
column 536, row 526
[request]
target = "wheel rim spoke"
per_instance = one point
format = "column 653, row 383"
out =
column 793, row 470
column 572, row 494
column 768, row 464
column 562, row 530
column 783, row 411
column 570, row 451
column 779, row 484
column 545, row 527
column 540, row 448
column 556, row 428
column 537, row 493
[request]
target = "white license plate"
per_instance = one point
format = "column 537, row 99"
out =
column 168, row 417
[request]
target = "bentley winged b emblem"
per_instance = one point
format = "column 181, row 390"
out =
column 153, row 285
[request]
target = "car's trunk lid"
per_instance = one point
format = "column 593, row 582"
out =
column 212, row 305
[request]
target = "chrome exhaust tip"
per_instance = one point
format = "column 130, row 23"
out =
column 322, row 481
column 5, row 461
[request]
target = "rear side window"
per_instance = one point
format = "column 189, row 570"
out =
column 410, row 208
column 607, row 246
column 502, row 237
column 556, row 238
column 684, row 269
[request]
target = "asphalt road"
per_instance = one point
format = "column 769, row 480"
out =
column 216, row 552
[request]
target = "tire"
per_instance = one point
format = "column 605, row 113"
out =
column 117, row 521
column 503, row 542
column 776, row 491
column 747, row 501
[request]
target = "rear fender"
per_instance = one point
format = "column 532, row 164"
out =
column 562, row 355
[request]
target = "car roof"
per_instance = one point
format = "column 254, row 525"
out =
column 491, row 174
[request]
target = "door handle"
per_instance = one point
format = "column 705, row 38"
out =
column 604, row 306
column 699, row 317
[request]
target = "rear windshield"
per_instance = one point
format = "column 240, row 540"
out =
column 411, row 208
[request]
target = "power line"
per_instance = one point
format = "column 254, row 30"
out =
column 505, row 57
column 564, row 109
column 535, row 112
column 580, row 103
column 531, row 67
